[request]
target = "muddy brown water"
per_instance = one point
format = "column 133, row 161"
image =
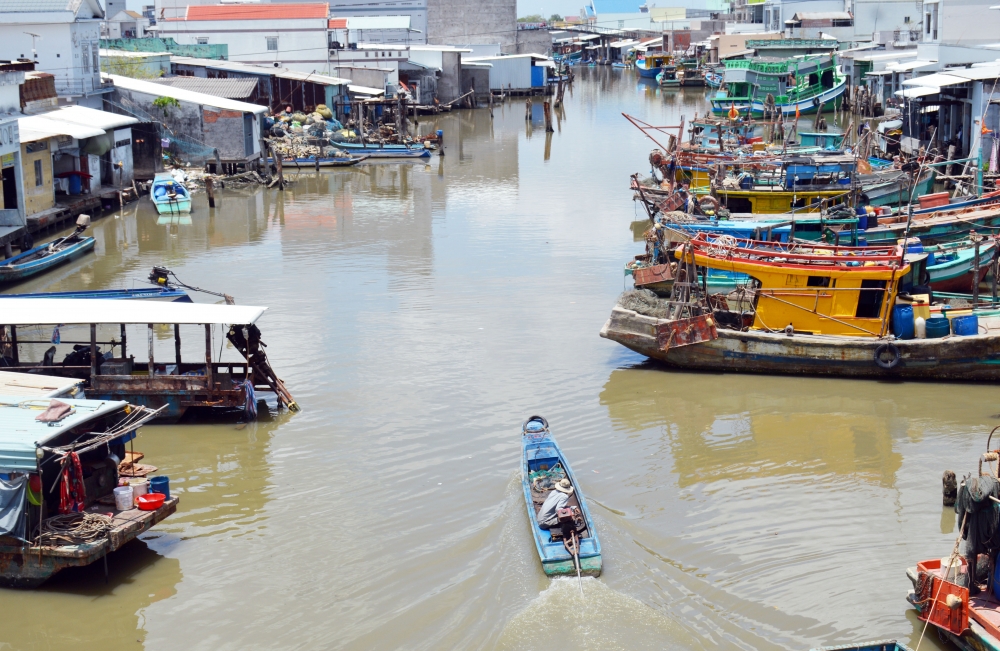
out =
column 419, row 312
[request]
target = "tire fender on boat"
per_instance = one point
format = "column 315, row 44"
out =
column 887, row 364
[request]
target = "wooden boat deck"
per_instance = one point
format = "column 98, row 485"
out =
column 30, row 566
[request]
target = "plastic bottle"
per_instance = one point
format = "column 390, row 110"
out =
column 920, row 328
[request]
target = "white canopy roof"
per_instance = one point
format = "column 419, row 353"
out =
column 38, row 127
column 53, row 311
column 182, row 95
column 938, row 79
column 919, row 91
column 364, row 90
column 909, row 65
column 36, row 386
column 92, row 117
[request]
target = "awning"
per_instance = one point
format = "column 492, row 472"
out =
column 43, row 124
column 53, row 311
column 20, row 432
column 879, row 73
column 909, row 65
column 938, row 80
column 364, row 90
column 919, row 91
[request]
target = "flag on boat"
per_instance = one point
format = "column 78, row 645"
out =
column 798, row 113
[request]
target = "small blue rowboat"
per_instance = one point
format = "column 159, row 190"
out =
column 375, row 150
column 41, row 258
column 877, row 645
column 712, row 79
column 168, row 294
column 543, row 466
column 169, row 196
column 333, row 161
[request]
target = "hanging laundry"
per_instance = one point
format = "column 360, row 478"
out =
column 72, row 494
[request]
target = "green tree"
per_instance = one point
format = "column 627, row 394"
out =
column 555, row 18
column 127, row 67
column 533, row 18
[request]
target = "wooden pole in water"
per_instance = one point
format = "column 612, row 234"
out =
column 975, row 270
column 281, row 175
column 264, row 156
column 177, row 347
column 210, row 190
column 547, row 110
column 152, row 363
column 527, row 110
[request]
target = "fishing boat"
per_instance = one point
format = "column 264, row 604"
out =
column 377, row 150
column 690, row 77
column 945, row 224
column 41, row 258
column 874, row 645
column 810, row 309
column 620, row 65
column 167, row 294
column 331, row 161
column 651, row 63
column 799, row 84
column 822, row 140
column 668, row 77
column 892, row 187
column 953, row 267
column 169, row 196
column 713, row 79
column 572, row 547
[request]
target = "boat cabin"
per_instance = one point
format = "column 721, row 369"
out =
column 816, row 289
column 85, row 442
column 830, row 141
column 794, row 184
column 89, row 340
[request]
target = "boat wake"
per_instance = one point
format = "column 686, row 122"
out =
column 601, row 619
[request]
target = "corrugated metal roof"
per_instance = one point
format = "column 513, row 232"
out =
column 53, row 311
column 90, row 117
column 257, row 12
column 36, row 6
column 180, row 94
column 20, row 432
column 822, row 15
column 364, row 90
column 909, row 65
column 919, row 91
column 977, row 73
column 378, row 22
column 283, row 73
column 233, row 88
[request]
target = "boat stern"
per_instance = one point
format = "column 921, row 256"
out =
column 589, row 566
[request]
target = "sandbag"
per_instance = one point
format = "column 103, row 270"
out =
column 324, row 111
column 299, row 117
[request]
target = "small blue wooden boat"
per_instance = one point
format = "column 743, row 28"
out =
column 330, row 161
column 169, row 294
column 876, row 645
column 713, row 79
column 169, row 196
column 41, row 258
column 619, row 64
column 542, row 465
column 375, row 150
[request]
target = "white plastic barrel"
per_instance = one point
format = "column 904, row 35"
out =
column 139, row 487
column 123, row 498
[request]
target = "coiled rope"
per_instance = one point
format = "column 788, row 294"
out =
column 74, row 528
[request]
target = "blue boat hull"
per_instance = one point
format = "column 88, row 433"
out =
column 12, row 270
column 540, row 451
column 151, row 294
column 386, row 151
column 323, row 162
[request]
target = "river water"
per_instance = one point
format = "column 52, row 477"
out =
column 419, row 312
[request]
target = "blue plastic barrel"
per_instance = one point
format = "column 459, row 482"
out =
column 863, row 222
column 75, row 184
column 965, row 325
column 160, row 484
column 902, row 322
column 937, row 327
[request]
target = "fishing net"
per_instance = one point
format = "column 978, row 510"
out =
column 644, row 302
column 546, row 479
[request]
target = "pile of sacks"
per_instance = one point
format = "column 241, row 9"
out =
column 318, row 124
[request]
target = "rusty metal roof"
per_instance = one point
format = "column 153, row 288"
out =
column 234, row 88
column 258, row 12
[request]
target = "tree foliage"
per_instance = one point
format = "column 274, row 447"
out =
column 533, row 18
column 127, row 67
column 555, row 18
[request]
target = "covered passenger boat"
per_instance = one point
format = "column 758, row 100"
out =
column 88, row 339
column 806, row 309
column 571, row 547
column 60, row 461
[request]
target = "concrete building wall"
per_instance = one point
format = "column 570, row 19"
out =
column 478, row 78
column 300, row 44
column 532, row 41
column 70, row 51
column 449, row 84
column 38, row 192
column 965, row 22
column 872, row 16
column 451, row 22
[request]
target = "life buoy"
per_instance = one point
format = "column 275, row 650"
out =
column 708, row 202
column 887, row 364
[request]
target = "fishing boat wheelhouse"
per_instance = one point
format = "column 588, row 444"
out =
column 88, row 339
column 801, row 83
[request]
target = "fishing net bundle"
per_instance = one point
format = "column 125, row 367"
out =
column 546, row 479
column 644, row 302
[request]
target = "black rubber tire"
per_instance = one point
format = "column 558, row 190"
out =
column 887, row 348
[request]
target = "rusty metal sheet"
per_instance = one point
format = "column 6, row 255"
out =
column 651, row 275
column 684, row 332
